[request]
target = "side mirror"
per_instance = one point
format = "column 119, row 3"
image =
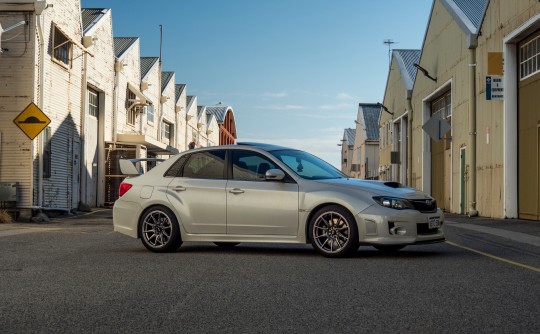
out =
column 274, row 175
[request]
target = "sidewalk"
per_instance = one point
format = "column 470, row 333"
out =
column 525, row 231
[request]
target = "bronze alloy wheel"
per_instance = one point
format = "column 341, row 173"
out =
column 159, row 230
column 334, row 232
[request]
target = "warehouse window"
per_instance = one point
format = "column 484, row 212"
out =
column 132, row 111
column 443, row 105
column 150, row 113
column 62, row 47
column 167, row 133
column 93, row 102
column 529, row 58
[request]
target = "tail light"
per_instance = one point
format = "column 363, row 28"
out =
column 124, row 187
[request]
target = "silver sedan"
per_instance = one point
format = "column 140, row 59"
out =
column 263, row 193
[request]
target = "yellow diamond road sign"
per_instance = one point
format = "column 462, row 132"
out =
column 32, row 121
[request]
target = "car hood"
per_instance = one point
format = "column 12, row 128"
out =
column 377, row 188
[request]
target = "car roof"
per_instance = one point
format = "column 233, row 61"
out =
column 264, row 146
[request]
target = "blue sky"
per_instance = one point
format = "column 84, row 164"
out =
column 294, row 71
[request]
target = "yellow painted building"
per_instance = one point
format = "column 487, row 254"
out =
column 479, row 76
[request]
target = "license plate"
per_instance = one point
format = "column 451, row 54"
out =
column 434, row 222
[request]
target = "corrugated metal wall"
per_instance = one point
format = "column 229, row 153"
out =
column 17, row 91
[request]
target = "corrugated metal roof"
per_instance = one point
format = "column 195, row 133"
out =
column 165, row 78
column 178, row 89
column 370, row 113
column 90, row 16
column 219, row 111
column 146, row 64
column 405, row 60
column 468, row 14
column 189, row 99
column 121, row 44
column 473, row 9
column 349, row 136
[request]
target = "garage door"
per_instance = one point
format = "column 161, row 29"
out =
column 529, row 128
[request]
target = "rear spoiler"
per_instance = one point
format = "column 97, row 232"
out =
column 127, row 166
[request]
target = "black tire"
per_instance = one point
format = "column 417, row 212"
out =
column 159, row 231
column 226, row 244
column 333, row 231
column 389, row 248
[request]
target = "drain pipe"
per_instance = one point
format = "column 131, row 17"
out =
column 472, row 212
column 409, row 138
column 118, row 66
column 41, row 103
column 84, row 84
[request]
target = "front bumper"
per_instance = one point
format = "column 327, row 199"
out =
column 378, row 225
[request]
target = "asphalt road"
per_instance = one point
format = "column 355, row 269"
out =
column 79, row 276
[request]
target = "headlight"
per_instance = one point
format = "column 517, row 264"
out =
column 393, row 203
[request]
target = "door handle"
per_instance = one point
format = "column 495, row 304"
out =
column 236, row 191
column 179, row 188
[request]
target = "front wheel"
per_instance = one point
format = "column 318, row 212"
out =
column 334, row 232
column 159, row 230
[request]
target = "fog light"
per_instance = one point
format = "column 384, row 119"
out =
column 398, row 230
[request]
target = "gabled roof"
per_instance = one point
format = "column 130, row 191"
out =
column 219, row 111
column 178, row 89
column 165, row 78
column 122, row 44
column 469, row 15
column 209, row 117
column 405, row 60
column 369, row 114
column 91, row 16
column 189, row 101
column 146, row 64
column 349, row 136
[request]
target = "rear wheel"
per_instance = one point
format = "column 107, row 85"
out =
column 159, row 230
column 226, row 244
column 333, row 232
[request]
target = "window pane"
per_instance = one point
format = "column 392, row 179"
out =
column 250, row 166
column 176, row 168
column 206, row 165
column 150, row 113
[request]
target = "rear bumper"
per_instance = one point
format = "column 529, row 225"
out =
column 126, row 217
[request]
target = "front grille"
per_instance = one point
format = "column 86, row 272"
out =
column 424, row 205
column 423, row 229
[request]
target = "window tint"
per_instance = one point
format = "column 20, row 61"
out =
column 250, row 166
column 205, row 165
column 307, row 166
column 176, row 168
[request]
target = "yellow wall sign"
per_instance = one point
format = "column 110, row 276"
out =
column 32, row 120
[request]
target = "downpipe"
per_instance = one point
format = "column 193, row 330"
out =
column 472, row 212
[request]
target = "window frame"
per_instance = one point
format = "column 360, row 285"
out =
column 224, row 175
column 267, row 159
column 93, row 108
column 63, row 58
column 530, row 63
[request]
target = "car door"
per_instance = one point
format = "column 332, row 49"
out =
column 256, row 206
column 198, row 192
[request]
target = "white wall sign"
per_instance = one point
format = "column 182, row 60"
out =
column 494, row 87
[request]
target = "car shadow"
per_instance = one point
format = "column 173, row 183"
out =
column 303, row 250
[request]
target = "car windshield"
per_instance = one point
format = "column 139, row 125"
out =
column 307, row 166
